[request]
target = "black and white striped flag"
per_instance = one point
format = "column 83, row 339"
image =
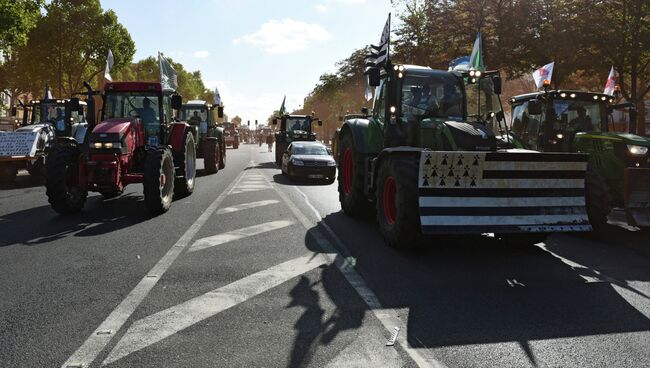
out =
column 379, row 54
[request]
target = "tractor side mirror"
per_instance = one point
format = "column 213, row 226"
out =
column 534, row 107
column 275, row 121
column 496, row 83
column 14, row 111
column 320, row 122
column 177, row 102
column 374, row 77
column 73, row 104
column 220, row 112
column 365, row 111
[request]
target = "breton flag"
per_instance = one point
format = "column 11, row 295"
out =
column 542, row 74
column 476, row 58
column 168, row 78
column 611, row 83
column 217, row 97
column 283, row 109
column 109, row 66
column 379, row 54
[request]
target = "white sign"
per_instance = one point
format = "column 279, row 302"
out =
column 18, row 143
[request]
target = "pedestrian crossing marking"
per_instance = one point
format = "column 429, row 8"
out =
column 245, row 206
column 238, row 234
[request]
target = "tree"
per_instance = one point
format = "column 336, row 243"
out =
column 17, row 17
column 236, row 120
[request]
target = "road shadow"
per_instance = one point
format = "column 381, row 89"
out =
column 284, row 180
column 24, row 181
column 41, row 225
column 477, row 290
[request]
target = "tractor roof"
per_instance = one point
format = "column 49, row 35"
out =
column 196, row 103
column 134, row 87
column 58, row 101
column 564, row 95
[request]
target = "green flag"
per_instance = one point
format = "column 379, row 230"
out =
column 476, row 59
column 283, row 110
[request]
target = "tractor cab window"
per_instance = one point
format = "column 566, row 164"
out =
column 527, row 126
column 431, row 97
column 194, row 115
column 295, row 124
column 167, row 109
column 578, row 116
column 380, row 102
column 125, row 105
column 54, row 113
column 481, row 100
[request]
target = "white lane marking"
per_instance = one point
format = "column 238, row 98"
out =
column 387, row 316
column 242, row 233
column 246, row 206
column 97, row 341
column 153, row 328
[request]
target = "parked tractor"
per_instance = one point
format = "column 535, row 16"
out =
column 232, row 135
column 574, row 121
column 209, row 138
column 137, row 141
column 293, row 128
column 43, row 122
column 427, row 162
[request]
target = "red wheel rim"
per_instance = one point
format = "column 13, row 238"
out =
column 347, row 171
column 390, row 210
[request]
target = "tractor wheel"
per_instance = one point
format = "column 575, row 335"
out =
column 598, row 200
column 222, row 156
column 159, row 180
column 184, row 184
column 398, row 215
column 279, row 151
column 8, row 172
column 351, row 180
column 62, row 179
column 211, row 155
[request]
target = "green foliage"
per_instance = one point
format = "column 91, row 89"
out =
column 17, row 18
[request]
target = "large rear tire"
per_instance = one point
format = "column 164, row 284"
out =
column 598, row 200
column 184, row 183
column 211, row 155
column 159, row 180
column 398, row 215
column 8, row 172
column 351, row 180
column 62, row 179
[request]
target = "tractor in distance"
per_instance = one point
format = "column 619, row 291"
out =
column 576, row 121
column 426, row 162
column 43, row 122
column 136, row 141
column 231, row 134
column 209, row 138
column 293, row 128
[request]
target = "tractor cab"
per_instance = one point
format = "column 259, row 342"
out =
column 293, row 128
column 59, row 114
column 209, row 138
column 575, row 121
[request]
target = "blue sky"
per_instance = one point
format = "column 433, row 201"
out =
column 255, row 52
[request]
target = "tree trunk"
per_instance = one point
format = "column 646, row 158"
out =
column 640, row 117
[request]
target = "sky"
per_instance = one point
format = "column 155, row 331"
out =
column 254, row 51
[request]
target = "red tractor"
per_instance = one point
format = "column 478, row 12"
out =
column 137, row 141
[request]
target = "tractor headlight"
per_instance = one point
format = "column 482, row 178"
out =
column 297, row 162
column 637, row 150
column 107, row 145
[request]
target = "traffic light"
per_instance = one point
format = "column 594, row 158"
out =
column 256, row 122
column 249, row 123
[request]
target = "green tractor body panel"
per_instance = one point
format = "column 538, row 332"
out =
column 611, row 153
column 440, row 127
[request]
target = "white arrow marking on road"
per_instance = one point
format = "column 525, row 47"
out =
column 239, row 234
column 245, row 206
column 151, row 329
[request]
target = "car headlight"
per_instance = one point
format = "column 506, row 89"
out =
column 637, row 150
column 297, row 162
column 331, row 163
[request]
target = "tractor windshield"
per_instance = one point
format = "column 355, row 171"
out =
column 48, row 111
column 481, row 100
column 194, row 114
column 303, row 124
column 120, row 105
column 578, row 116
column 432, row 96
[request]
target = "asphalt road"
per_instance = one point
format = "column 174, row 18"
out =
column 252, row 270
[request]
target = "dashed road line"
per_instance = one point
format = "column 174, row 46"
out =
column 158, row 326
column 98, row 340
column 246, row 206
column 238, row 234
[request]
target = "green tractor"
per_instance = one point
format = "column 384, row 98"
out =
column 575, row 121
column 209, row 138
column 427, row 161
column 293, row 128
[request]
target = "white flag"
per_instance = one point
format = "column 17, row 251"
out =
column 542, row 74
column 611, row 83
column 168, row 77
column 217, row 96
column 109, row 66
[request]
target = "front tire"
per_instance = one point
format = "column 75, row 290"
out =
column 63, row 189
column 158, row 180
column 211, row 155
column 398, row 214
column 184, row 183
column 351, row 179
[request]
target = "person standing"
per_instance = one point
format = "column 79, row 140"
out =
column 269, row 141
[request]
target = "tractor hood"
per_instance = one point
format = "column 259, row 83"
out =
column 472, row 136
column 34, row 127
column 111, row 130
column 625, row 138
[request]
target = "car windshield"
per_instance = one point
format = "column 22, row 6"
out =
column 481, row 100
column 310, row 150
column 194, row 114
column 303, row 124
column 438, row 96
column 578, row 116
